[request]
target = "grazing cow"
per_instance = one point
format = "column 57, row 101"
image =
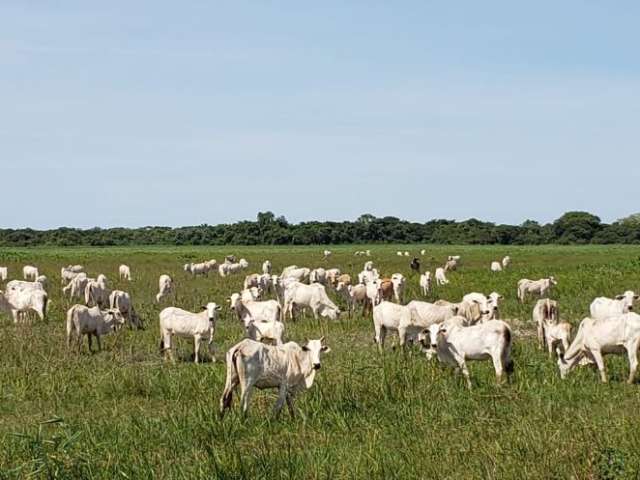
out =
column 603, row 336
column 92, row 322
column 199, row 269
column 423, row 315
column 399, row 285
column 367, row 253
column 21, row 297
column 353, row 295
column 441, row 278
column 299, row 295
column 545, row 313
column 298, row 274
column 470, row 310
column 289, row 368
column 535, row 287
column 121, row 301
column 125, row 272
column 496, row 267
column 250, row 310
column 558, row 337
column 4, row 273
column 389, row 316
column 453, row 257
column 399, row 253
column 76, row 287
column 318, row 275
column 423, row 252
column 415, row 265
column 212, row 264
column 97, row 292
column 165, row 287
column 326, row 254
column 603, row 307
column 425, row 283
column 455, row 344
column 506, row 261
column 199, row 326
column 29, row 272
column 67, row 274
column 267, row 267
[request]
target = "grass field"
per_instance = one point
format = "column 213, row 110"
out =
column 124, row 413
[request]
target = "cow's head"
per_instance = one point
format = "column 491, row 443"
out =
column 234, row 300
column 212, row 310
column 314, row 348
column 329, row 311
column 115, row 316
column 553, row 281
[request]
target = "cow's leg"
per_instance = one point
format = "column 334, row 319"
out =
column 245, row 394
column 632, row 352
column 196, row 346
column 549, row 343
column 497, row 365
column 90, row 340
column 99, row 343
column 292, row 412
column 79, row 341
column 597, row 356
column 282, row 396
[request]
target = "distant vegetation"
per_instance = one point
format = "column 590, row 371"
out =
column 570, row 228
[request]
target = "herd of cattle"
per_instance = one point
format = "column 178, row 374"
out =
column 454, row 332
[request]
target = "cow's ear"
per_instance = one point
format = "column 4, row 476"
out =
column 325, row 349
column 619, row 297
column 305, row 348
column 636, row 297
column 203, row 307
column 218, row 307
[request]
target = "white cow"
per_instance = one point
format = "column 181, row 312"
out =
column 455, row 344
column 199, row 269
column 398, row 253
column 165, row 287
column 92, row 322
column 489, row 304
column 326, row 254
column 299, row 295
column 603, row 336
column 271, row 331
column 4, row 273
column 318, row 275
column 298, row 274
column 451, row 265
column 535, row 287
column 399, row 284
column 121, row 301
column 97, row 292
column 67, row 274
column 425, row 283
column 249, row 310
column 76, row 287
column 545, row 313
column 496, row 267
column 423, row 252
column 368, row 276
column 557, row 337
column 603, row 307
column 267, row 267
column 199, row 326
column 289, row 368
column 125, row 272
column 21, row 297
column 506, row 261
column 332, row 275
column 388, row 316
column 251, row 280
column 423, row 315
column 29, row 272
column 406, row 254
column 441, row 278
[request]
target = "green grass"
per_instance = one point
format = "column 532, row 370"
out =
column 124, row 413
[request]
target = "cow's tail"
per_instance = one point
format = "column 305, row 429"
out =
column 70, row 324
column 235, row 374
column 45, row 304
column 507, row 361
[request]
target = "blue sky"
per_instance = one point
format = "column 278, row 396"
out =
column 182, row 113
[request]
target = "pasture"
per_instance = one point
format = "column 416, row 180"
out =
column 124, row 413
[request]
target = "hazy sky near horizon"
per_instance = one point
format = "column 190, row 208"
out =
column 182, row 113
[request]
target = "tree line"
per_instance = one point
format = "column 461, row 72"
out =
column 571, row 228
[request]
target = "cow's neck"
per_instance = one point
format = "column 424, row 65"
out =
column 307, row 370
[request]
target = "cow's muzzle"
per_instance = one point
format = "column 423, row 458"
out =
column 316, row 366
